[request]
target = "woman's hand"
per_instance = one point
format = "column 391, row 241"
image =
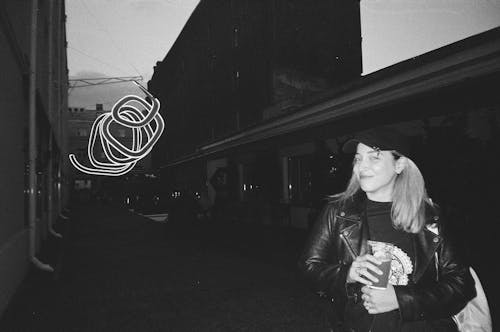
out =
column 377, row 301
column 364, row 270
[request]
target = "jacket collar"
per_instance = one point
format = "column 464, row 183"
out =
column 354, row 228
column 425, row 245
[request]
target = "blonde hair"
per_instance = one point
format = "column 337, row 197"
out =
column 409, row 197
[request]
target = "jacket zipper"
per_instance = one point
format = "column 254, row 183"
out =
column 351, row 251
column 353, row 254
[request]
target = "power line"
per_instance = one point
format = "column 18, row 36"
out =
column 107, row 102
column 83, row 82
column 115, row 44
column 94, row 58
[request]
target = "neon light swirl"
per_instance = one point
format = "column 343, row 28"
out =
column 120, row 159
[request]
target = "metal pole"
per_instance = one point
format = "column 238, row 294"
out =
column 32, row 142
column 52, row 121
column 59, row 111
column 62, row 104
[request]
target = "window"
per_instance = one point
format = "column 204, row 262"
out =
column 81, row 154
column 81, row 184
column 249, row 187
column 299, row 179
column 235, row 37
column 82, row 132
column 236, row 80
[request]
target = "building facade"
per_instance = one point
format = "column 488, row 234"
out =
column 302, row 103
column 33, row 99
column 263, row 60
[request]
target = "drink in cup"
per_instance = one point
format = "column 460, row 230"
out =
column 383, row 252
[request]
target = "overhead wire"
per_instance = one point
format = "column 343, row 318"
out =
column 115, row 44
column 107, row 102
column 96, row 59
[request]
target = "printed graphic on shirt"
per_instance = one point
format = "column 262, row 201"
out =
column 401, row 267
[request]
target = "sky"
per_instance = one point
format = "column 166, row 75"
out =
column 116, row 38
column 396, row 30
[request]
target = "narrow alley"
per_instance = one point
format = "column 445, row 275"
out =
column 119, row 271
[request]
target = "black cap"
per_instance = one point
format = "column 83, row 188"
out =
column 380, row 139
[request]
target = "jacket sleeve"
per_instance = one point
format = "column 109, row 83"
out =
column 445, row 292
column 320, row 262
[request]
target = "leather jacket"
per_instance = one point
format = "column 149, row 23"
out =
column 340, row 233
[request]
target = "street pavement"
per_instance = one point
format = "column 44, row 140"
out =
column 118, row 271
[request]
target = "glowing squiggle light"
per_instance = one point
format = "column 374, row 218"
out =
column 120, row 159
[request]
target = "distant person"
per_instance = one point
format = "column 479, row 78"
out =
column 386, row 205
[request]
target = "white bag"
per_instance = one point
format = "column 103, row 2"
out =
column 475, row 317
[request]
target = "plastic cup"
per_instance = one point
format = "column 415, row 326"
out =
column 383, row 252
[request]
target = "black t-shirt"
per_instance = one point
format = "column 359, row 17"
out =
column 381, row 229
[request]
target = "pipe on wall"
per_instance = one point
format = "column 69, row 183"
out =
column 50, row 103
column 62, row 210
column 32, row 142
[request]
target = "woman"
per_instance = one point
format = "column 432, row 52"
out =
column 386, row 201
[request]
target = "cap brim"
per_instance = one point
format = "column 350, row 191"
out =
column 350, row 146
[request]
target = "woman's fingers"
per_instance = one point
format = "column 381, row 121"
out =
column 364, row 269
column 373, row 268
column 368, row 300
column 368, row 303
column 367, row 291
column 365, row 273
column 372, row 259
column 367, row 262
column 379, row 300
column 362, row 279
column 357, row 273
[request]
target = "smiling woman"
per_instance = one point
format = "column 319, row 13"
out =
column 386, row 203
column 376, row 172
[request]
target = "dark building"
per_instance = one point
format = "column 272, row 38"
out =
column 34, row 168
column 274, row 127
column 239, row 62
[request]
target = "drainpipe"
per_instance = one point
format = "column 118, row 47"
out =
column 50, row 175
column 59, row 113
column 32, row 143
column 63, row 212
column 50, row 191
column 59, row 193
